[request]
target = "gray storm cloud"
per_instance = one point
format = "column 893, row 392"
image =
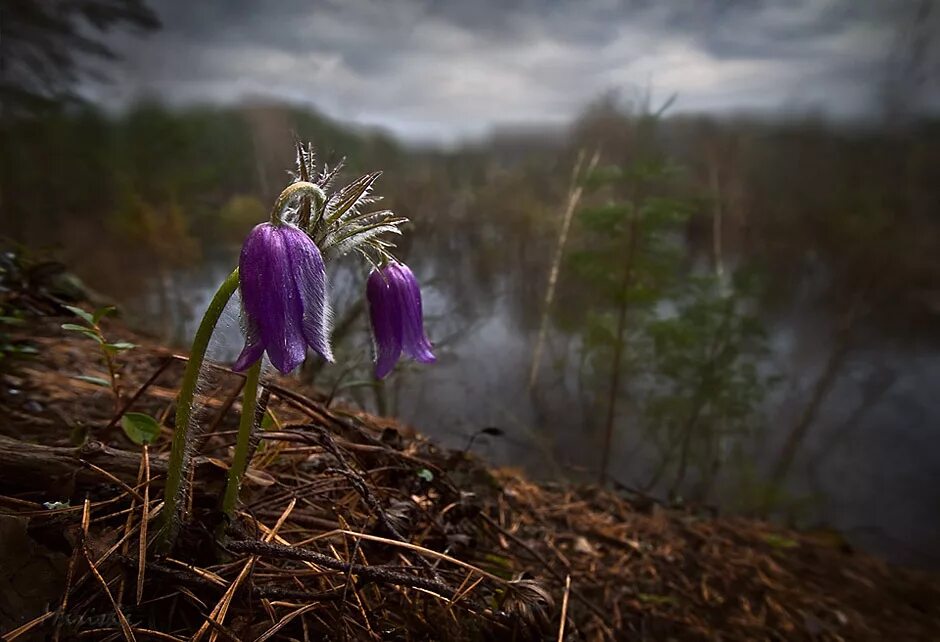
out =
column 441, row 70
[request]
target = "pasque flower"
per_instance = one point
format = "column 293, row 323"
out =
column 283, row 289
column 397, row 319
column 285, row 310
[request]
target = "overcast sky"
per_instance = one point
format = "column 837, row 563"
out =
column 445, row 69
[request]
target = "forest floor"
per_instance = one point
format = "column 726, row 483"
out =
column 353, row 526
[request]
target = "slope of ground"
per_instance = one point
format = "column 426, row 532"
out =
column 354, row 527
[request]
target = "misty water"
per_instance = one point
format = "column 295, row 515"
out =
column 864, row 470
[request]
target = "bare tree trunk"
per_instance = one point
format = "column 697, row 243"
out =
column 717, row 219
column 628, row 262
column 688, row 430
column 820, row 391
column 717, row 352
column 574, row 197
column 872, row 397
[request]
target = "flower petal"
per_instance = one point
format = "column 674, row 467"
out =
column 253, row 350
column 310, row 277
column 385, row 313
column 270, row 297
column 414, row 341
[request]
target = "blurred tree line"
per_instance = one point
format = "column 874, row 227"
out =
column 795, row 195
column 160, row 184
column 844, row 216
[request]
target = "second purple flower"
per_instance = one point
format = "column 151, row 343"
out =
column 397, row 318
column 283, row 288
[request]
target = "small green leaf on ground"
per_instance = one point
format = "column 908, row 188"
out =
column 74, row 327
column 17, row 348
column 121, row 345
column 268, row 421
column 498, row 565
column 98, row 381
column 426, row 475
column 140, row 428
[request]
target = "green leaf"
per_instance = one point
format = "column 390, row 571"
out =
column 140, row 428
column 85, row 316
column 121, row 345
column 102, row 312
column 426, row 475
column 98, row 381
column 74, row 327
column 267, row 422
column 499, row 565
column 91, row 334
column 12, row 321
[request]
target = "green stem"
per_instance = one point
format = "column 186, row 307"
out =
column 184, row 409
column 112, row 374
column 242, row 444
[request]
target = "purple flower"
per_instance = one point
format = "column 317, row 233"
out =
column 283, row 287
column 397, row 320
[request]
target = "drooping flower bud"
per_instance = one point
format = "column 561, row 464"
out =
column 397, row 318
column 284, row 297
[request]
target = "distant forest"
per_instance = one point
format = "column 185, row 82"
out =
column 170, row 184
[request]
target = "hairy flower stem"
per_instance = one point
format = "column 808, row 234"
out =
column 174, row 491
column 184, row 410
column 300, row 188
column 243, row 443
